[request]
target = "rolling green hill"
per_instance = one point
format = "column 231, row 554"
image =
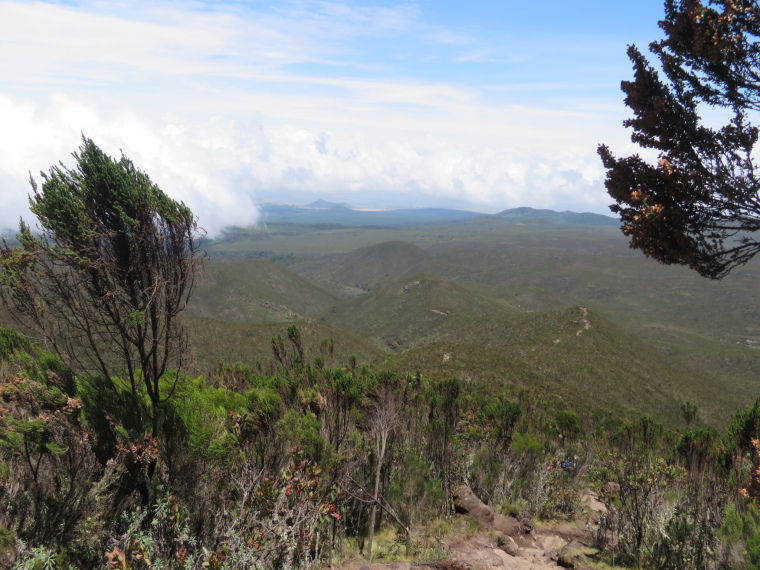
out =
column 482, row 291
column 574, row 354
column 500, row 267
column 215, row 341
column 407, row 313
column 571, row 218
column 256, row 291
column 324, row 212
column 364, row 269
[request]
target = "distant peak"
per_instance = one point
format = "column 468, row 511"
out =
column 325, row 205
column 321, row 205
column 518, row 211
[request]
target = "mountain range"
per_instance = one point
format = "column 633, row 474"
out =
column 323, row 212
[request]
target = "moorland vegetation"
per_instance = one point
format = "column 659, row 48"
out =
column 329, row 388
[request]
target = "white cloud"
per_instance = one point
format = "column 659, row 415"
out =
column 217, row 165
column 191, row 163
column 208, row 103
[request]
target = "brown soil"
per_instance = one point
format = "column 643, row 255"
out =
column 470, row 547
column 478, row 550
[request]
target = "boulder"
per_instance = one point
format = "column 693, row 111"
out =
column 508, row 525
column 467, row 503
column 505, row 543
column 478, row 558
column 571, row 556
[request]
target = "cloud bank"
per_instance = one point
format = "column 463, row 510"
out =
column 221, row 167
column 228, row 104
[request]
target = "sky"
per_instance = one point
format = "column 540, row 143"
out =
column 479, row 105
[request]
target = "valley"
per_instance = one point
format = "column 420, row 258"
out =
column 506, row 298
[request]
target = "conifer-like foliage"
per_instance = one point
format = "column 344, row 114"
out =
column 104, row 281
column 699, row 205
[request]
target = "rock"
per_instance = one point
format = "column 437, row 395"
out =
column 506, row 543
column 507, row 525
column 520, row 533
column 611, row 488
column 465, row 500
column 552, row 545
column 479, row 558
column 466, row 503
column 571, row 556
column 527, row 524
column 506, row 559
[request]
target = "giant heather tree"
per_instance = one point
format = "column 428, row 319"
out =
column 699, row 205
column 103, row 283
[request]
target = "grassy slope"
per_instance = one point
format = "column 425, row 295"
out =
column 482, row 274
column 365, row 269
column 407, row 313
column 216, row 341
column 255, row 291
column 600, row 367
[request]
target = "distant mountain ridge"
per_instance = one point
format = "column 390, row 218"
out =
column 325, row 205
column 554, row 217
column 324, row 212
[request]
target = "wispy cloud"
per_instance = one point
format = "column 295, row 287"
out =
column 487, row 56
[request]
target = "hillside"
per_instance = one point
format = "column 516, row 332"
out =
column 486, row 275
column 407, row 313
column 213, row 341
column 256, row 291
column 494, row 268
column 575, row 354
column 531, row 215
column 535, row 362
column 323, row 212
column 365, row 269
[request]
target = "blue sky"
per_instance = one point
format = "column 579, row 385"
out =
column 478, row 105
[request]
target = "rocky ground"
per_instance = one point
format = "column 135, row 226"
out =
column 497, row 542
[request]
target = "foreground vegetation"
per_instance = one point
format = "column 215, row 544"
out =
column 288, row 467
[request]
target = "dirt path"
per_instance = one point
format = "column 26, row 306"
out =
column 480, row 538
column 482, row 552
column 468, row 550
